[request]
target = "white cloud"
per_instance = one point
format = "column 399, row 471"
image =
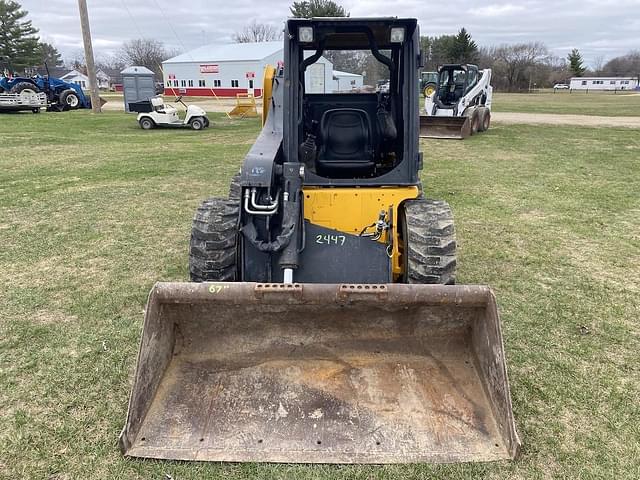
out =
column 595, row 27
column 496, row 10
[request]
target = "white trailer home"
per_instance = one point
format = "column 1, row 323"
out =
column 603, row 83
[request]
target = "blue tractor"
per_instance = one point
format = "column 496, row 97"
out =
column 60, row 94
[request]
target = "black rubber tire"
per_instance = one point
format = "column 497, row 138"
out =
column 197, row 123
column 206, row 122
column 22, row 86
column 70, row 99
column 146, row 123
column 486, row 120
column 427, row 87
column 429, row 242
column 235, row 190
column 481, row 113
column 214, row 238
column 475, row 122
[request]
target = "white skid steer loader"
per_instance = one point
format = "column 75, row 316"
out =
column 461, row 104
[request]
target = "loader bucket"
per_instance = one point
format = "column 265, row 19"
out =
column 445, row 127
column 319, row 373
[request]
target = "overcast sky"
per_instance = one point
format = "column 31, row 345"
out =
column 598, row 28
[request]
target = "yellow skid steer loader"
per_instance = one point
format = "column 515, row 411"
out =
column 322, row 323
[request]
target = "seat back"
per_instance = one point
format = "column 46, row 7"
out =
column 345, row 143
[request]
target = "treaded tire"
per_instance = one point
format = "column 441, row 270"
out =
column 429, row 87
column 486, row 120
column 235, row 190
column 429, row 242
column 212, row 249
column 69, row 98
column 22, row 86
column 475, row 122
column 482, row 112
column 197, row 123
column 146, row 123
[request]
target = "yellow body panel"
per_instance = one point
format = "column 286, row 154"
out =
column 350, row 210
column 267, row 90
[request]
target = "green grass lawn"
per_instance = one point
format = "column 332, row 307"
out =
column 93, row 211
column 563, row 102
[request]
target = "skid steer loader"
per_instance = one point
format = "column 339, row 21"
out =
column 460, row 106
column 322, row 323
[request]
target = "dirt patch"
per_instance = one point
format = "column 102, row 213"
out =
column 562, row 119
column 533, row 215
column 47, row 317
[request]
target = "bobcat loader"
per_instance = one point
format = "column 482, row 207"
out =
column 322, row 323
column 460, row 106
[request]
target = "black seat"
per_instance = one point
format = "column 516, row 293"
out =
column 345, row 143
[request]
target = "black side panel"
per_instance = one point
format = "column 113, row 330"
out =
column 329, row 256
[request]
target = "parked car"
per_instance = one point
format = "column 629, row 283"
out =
column 561, row 86
column 382, row 86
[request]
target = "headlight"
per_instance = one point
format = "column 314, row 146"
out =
column 397, row 35
column 305, row 34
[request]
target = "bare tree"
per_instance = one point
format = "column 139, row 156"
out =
column 107, row 61
column 75, row 59
column 625, row 65
column 598, row 63
column 517, row 63
column 146, row 52
column 257, row 32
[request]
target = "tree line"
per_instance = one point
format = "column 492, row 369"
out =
column 516, row 67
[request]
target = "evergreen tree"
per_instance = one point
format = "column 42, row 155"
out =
column 437, row 51
column 18, row 41
column 575, row 63
column 317, row 8
column 50, row 55
column 463, row 49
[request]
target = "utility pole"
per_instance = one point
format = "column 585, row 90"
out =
column 88, row 56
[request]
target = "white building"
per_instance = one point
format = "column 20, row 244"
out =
column 79, row 78
column 603, row 83
column 345, row 82
column 228, row 69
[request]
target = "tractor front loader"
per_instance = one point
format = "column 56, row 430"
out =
column 322, row 323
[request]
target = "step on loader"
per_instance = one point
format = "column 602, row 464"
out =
column 322, row 323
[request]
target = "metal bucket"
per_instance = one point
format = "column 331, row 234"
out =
column 445, row 127
column 318, row 373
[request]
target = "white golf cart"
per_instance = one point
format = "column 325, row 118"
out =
column 160, row 115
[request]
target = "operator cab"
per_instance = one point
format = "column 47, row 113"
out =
column 352, row 89
column 454, row 82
